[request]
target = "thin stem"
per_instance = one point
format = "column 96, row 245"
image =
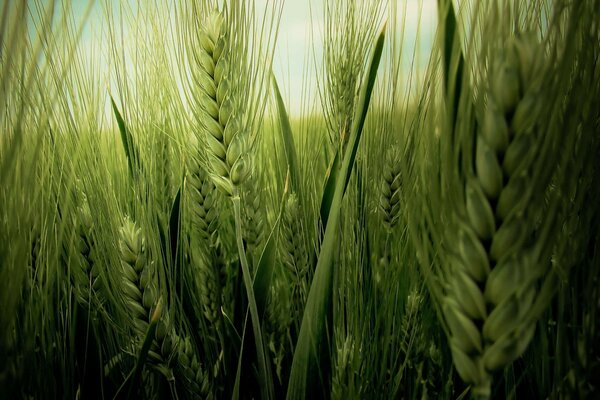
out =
column 483, row 389
column 265, row 383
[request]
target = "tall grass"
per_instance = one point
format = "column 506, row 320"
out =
column 422, row 230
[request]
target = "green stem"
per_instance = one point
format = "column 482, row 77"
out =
column 482, row 390
column 265, row 382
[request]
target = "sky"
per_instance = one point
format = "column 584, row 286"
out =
column 292, row 64
column 295, row 44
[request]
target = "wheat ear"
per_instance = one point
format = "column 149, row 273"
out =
column 195, row 378
column 253, row 217
column 140, row 293
column 203, row 203
column 87, row 279
column 389, row 202
column 221, row 115
column 294, row 253
column 494, row 281
column 278, row 320
column 217, row 112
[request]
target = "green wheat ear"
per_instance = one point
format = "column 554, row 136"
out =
column 195, row 378
column 278, row 321
column 87, row 279
column 219, row 110
column 294, row 253
column 220, row 78
column 252, row 213
column 493, row 284
column 203, row 203
column 389, row 202
column 140, row 294
column 208, row 286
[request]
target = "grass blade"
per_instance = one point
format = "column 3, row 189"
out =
column 141, row 360
column 453, row 61
column 264, row 271
column 329, row 189
column 265, row 378
column 130, row 151
column 174, row 226
column 288, row 138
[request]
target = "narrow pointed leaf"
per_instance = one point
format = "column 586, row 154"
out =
column 264, row 271
column 127, row 139
column 288, row 138
column 174, row 226
column 453, row 61
column 136, row 379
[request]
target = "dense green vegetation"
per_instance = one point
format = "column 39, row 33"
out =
column 168, row 230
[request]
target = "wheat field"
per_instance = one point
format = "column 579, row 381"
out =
column 423, row 225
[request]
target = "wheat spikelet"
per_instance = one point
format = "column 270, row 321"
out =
column 279, row 318
column 253, row 217
column 410, row 329
column 224, row 81
column 137, row 276
column 344, row 46
column 389, row 210
column 140, row 293
column 207, row 260
column 208, row 284
column 228, row 278
column 293, row 250
column 203, row 203
column 195, row 378
column 87, row 278
column 389, row 202
column 345, row 369
column 493, row 284
column 217, row 111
